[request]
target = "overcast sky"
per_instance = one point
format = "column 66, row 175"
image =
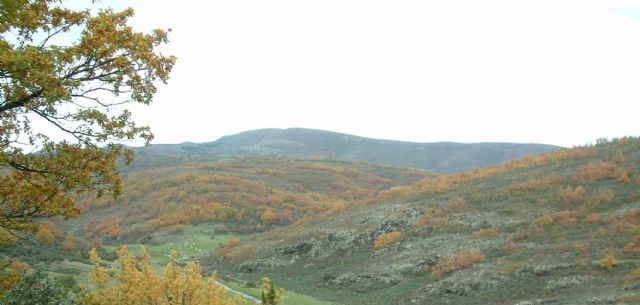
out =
column 562, row 72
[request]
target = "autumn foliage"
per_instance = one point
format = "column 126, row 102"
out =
column 385, row 239
column 597, row 171
column 456, row 261
column 74, row 88
column 135, row 283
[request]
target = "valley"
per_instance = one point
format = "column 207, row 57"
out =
column 559, row 227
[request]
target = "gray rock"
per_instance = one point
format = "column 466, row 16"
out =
column 541, row 270
column 258, row 266
column 464, row 283
column 567, row 282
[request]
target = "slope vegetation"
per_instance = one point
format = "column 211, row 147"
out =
column 556, row 228
column 242, row 195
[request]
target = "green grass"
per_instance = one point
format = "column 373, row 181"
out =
column 195, row 241
column 290, row 297
column 79, row 270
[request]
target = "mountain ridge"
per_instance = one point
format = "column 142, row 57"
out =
column 302, row 142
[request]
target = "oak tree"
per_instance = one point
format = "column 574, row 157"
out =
column 71, row 73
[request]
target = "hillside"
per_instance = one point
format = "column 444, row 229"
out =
column 239, row 194
column 560, row 228
column 298, row 142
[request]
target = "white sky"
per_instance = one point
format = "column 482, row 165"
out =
column 562, row 72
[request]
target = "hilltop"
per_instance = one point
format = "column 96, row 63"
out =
column 558, row 228
column 299, row 142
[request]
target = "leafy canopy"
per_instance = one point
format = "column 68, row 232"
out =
column 77, row 87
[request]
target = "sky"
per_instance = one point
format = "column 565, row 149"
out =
column 563, row 72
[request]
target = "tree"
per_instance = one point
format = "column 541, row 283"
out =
column 69, row 243
column 79, row 89
column 37, row 288
column 269, row 295
column 135, row 283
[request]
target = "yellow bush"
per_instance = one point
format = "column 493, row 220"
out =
column 135, row 283
column 609, row 261
column 457, row 260
column 385, row 239
column 489, row 232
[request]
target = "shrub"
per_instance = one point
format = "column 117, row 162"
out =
column 581, row 247
column 489, row 232
column 456, row 261
column 432, row 218
column 608, row 261
column 597, row 171
column 224, row 249
column 623, row 178
column 631, row 248
column 385, row 239
column 632, row 276
column 570, row 195
column 591, row 218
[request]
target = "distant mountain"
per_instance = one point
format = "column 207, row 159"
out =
column 300, row 142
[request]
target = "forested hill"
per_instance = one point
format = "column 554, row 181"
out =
column 299, row 142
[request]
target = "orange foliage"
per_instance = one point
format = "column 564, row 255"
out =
column 591, row 218
column 561, row 218
column 19, row 266
column 456, row 261
column 224, row 249
column 489, row 232
column 51, row 227
column 575, row 153
column 534, row 184
column 269, row 217
column 385, row 239
column 44, row 236
column 623, row 178
column 597, row 171
column 69, row 243
column 629, row 216
column 571, row 195
column 581, row 248
column 608, row 261
column 433, row 218
column 443, row 184
column 618, row 157
column 631, row 248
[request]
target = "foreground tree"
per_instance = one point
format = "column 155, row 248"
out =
column 269, row 295
column 135, row 282
column 78, row 89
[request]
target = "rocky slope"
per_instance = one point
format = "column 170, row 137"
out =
column 561, row 228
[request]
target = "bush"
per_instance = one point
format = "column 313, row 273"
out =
column 385, row 239
column 456, row 261
column 36, row 288
column 591, row 219
column 489, row 232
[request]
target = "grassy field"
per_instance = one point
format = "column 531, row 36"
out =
column 290, row 298
column 197, row 240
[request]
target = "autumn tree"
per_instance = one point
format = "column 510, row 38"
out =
column 79, row 89
column 69, row 243
column 269, row 295
column 135, row 283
